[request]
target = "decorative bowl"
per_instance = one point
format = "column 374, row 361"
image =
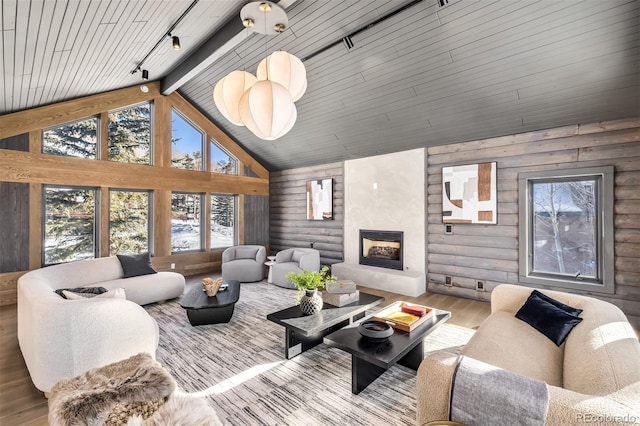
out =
column 376, row 331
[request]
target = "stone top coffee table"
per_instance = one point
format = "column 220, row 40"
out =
column 202, row 309
column 303, row 332
column 370, row 359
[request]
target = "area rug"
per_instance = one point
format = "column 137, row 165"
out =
column 239, row 367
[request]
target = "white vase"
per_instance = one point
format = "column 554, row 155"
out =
column 311, row 302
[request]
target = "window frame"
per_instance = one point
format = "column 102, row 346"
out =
column 202, row 223
column 604, row 203
column 235, row 219
column 96, row 220
column 67, row 123
column 215, row 143
column 203, row 148
column 150, row 214
column 151, row 131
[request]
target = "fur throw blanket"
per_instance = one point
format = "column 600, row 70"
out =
column 138, row 386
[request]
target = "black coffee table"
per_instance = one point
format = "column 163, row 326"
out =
column 369, row 360
column 202, row 309
column 303, row 332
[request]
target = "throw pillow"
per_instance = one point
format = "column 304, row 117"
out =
column 548, row 319
column 89, row 291
column 134, row 266
column 117, row 293
column 558, row 304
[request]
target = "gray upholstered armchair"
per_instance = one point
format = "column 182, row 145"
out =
column 296, row 260
column 243, row 263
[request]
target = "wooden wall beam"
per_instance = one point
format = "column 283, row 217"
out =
column 49, row 115
column 17, row 166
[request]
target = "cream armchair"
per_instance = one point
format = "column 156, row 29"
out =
column 296, row 260
column 594, row 374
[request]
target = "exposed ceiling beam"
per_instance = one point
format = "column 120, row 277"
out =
column 230, row 35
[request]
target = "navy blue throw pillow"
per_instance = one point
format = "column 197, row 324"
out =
column 548, row 319
column 558, row 304
column 134, row 266
column 93, row 291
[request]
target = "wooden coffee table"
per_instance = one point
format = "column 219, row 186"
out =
column 303, row 332
column 202, row 309
column 369, row 360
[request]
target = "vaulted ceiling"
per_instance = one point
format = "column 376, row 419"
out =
column 426, row 75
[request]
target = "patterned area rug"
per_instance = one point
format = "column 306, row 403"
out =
column 240, row 368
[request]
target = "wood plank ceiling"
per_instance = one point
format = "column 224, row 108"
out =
column 427, row 76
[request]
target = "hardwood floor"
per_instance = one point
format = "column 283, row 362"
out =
column 22, row 404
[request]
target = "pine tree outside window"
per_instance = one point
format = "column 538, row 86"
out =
column 221, row 161
column 187, row 143
column 70, row 224
column 186, row 222
column 566, row 229
column 223, row 220
column 129, row 222
column 130, row 134
column 74, row 139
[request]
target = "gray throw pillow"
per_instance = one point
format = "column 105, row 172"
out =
column 134, row 266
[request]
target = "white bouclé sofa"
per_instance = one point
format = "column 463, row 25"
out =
column 593, row 377
column 61, row 338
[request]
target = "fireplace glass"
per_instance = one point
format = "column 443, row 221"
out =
column 381, row 248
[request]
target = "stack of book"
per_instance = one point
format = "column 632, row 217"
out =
column 340, row 293
column 404, row 316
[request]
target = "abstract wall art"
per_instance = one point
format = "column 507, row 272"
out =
column 320, row 199
column 469, row 194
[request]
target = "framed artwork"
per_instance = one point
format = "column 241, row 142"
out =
column 469, row 194
column 320, row 199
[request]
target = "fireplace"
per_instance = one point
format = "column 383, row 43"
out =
column 381, row 248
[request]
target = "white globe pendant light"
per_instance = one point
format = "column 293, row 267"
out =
column 229, row 90
column 286, row 69
column 267, row 109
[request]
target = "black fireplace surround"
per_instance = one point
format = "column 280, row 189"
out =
column 381, row 248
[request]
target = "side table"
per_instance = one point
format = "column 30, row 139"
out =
column 270, row 263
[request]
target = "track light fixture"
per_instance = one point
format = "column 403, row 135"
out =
column 174, row 40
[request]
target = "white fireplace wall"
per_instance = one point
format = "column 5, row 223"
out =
column 387, row 193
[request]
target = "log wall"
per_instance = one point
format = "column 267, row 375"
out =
column 288, row 224
column 490, row 252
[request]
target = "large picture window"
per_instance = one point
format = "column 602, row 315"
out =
column 187, row 143
column 223, row 220
column 566, row 228
column 221, row 161
column 130, row 134
column 75, row 139
column 186, row 221
column 70, row 218
column 129, row 222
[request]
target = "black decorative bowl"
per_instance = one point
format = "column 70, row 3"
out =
column 375, row 331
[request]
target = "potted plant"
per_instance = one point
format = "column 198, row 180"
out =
column 307, row 283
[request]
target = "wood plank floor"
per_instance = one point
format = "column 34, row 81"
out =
column 22, row 404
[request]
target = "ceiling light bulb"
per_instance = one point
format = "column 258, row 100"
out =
column 279, row 28
column 285, row 69
column 248, row 23
column 176, row 43
column 228, row 92
column 267, row 110
column 144, row 88
column 265, row 7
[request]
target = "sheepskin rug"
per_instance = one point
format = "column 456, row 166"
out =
column 135, row 391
